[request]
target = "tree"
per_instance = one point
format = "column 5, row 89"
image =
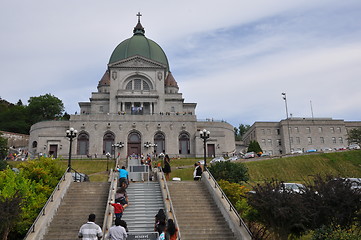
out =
column 231, row 172
column 15, row 119
column 45, row 107
column 281, row 212
column 240, row 131
column 327, row 201
column 254, row 147
column 19, row 103
column 3, row 152
column 354, row 135
column 23, row 194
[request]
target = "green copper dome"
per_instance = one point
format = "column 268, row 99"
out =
column 138, row 44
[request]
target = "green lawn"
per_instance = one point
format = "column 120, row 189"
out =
column 95, row 169
column 299, row 168
column 288, row 169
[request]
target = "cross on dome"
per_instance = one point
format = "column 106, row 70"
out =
column 139, row 15
column 139, row 28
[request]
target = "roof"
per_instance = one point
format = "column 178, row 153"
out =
column 138, row 44
column 170, row 81
column 105, row 79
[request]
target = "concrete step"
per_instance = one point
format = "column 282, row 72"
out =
column 197, row 215
column 145, row 199
column 80, row 200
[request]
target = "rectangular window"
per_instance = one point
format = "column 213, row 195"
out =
column 137, row 84
column 278, row 131
column 309, row 139
column 263, row 131
column 270, row 142
column 279, row 143
column 290, row 129
column 298, row 140
column 269, row 131
column 322, row 140
column 296, row 130
column 308, row 130
column 264, row 141
column 333, row 140
column 340, row 140
column 338, row 130
column 320, row 129
column 332, row 129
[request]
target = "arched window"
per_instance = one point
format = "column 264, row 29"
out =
column 108, row 141
column 184, row 144
column 83, row 144
column 138, row 85
column 159, row 139
column 134, row 137
column 35, row 144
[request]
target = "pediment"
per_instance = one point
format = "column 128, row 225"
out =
column 137, row 62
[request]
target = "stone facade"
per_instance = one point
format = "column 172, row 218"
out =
column 138, row 104
column 321, row 134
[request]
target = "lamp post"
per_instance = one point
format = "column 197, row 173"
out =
column 288, row 123
column 71, row 134
column 117, row 145
column 204, row 134
column 108, row 156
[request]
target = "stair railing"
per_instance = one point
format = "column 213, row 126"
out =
column 108, row 215
column 231, row 207
column 171, row 208
column 43, row 211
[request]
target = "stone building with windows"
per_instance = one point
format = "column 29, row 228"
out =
column 137, row 106
column 300, row 134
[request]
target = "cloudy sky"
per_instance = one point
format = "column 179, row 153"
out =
column 234, row 58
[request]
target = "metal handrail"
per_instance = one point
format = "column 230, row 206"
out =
column 42, row 211
column 171, row 208
column 231, row 207
column 108, row 215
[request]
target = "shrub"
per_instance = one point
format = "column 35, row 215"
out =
column 231, row 172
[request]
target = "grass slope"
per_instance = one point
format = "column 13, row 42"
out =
column 299, row 168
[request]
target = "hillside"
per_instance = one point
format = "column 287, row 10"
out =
column 300, row 168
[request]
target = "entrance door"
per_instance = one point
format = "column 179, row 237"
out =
column 134, row 144
column 211, row 150
column 53, row 150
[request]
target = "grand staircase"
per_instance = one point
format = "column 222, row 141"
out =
column 197, row 215
column 145, row 199
column 81, row 199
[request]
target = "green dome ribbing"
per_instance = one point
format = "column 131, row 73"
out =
column 138, row 44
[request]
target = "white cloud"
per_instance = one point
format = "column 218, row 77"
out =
column 234, row 58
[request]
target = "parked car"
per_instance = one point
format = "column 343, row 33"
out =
column 217, row 159
column 355, row 182
column 341, row 149
column 292, row 187
column 311, row 150
column 296, row 152
column 249, row 155
column 265, row 155
column 233, row 158
column 354, row 147
column 327, row 149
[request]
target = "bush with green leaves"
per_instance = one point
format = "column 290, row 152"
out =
column 231, row 172
column 336, row 233
column 23, row 194
column 327, row 201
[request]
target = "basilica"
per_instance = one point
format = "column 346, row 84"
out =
column 137, row 109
